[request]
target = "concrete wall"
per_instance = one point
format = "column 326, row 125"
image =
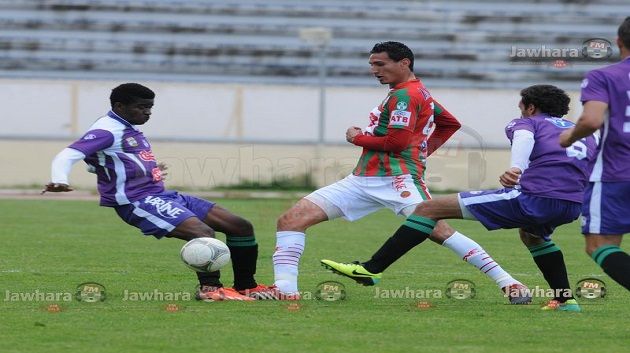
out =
column 223, row 134
column 207, row 165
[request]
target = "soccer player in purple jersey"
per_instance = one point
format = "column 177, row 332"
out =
column 130, row 181
column 606, row 210
column 543, row 189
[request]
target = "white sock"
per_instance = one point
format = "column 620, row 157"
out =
column 471, row 252
column 286, row 258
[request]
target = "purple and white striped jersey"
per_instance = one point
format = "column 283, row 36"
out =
column 611, row 85
column 125, row 166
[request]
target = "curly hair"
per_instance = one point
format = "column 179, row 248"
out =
column 130, row 92
column 395, row 50
column 624, row 32
column 547, row 98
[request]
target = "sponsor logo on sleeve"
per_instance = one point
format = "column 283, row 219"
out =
column 89, row 137
column 400, row 118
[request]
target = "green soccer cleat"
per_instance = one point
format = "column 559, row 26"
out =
column 569, row 305
column 354, row 270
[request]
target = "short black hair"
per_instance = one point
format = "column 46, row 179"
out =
column 624, row 32
column 128, row 93
column 547, row 98
column 395, row 50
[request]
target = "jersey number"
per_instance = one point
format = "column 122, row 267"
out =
column 427, row 127
column 577, row 150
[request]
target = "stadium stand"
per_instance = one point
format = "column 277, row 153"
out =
column 458, row 43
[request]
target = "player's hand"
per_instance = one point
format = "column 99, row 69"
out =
column 353, row 132
column 56, row 187
column 565, row 137
column 511, row 177
column 163, row 168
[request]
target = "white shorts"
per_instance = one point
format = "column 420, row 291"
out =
column 356, row 196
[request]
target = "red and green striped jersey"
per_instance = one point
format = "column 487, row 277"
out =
column 408, row 106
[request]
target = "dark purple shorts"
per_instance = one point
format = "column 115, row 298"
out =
column 510, row 208
column 606, row 208
column 159, row 214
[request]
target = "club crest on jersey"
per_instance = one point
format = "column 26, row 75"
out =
column 400, row 118
column 401, row 106
column 561, row 123
column 131, row 142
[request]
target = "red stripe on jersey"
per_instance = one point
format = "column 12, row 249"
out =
column 372, row 169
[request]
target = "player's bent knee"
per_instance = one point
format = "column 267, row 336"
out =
column 529, row 239
column 243, row 228
column 192, row 228
column 421, row 209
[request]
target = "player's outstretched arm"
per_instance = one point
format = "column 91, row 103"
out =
column 445, row 126
column 60, row 170
column 396, row 140
column 54, row 187
column 590, row 121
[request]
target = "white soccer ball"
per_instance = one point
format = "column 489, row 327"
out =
column 205, row 254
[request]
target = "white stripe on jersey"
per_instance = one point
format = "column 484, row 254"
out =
column 151, row 218
column 101, row 162
column 119, row 166
column 595, row 209
column 596, row 174
column 473, row 200
column 121, row 178
column 135, row 159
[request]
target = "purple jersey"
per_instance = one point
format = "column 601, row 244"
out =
column 611, row 85
column 125, row 166
column 554, row 171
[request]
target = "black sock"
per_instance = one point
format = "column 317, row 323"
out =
column 413, row 232
column 615, row 262
column 244, row 253
column 550, row 261
column 209, row 278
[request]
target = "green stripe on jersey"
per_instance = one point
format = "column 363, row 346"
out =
column 365, row 160
column 394, row 165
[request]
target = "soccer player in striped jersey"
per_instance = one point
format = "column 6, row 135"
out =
column 389, row 173
column 130, row 181
column 606, row 208
column 543, row 189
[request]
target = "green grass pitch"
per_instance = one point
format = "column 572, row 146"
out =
column 52, row 246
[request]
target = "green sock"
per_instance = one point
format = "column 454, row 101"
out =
column 615, row 262
column 413, row 232
column 549, row 259
column 244, row 254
